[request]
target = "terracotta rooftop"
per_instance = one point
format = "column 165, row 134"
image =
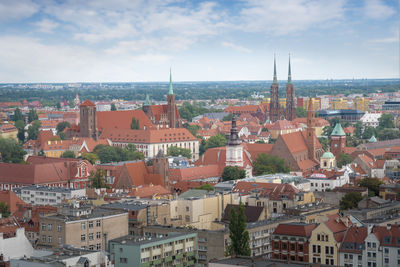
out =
column 11, row 199
column 295, row 229
column 122, row 119
column 197, row 172
column 88, row 103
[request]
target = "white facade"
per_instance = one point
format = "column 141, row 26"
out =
column 370, row 119
column 45, row 195
column 319, row 182
column 234, row 155
column 15, row 247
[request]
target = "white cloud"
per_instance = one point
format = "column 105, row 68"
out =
column 46, row 25
column 17, row 9
column 281, row 17
column 387, row 40
column 376, row 9
column 236, row 47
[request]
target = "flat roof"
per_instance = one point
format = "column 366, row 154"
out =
column 97, row 212
column 143, row 240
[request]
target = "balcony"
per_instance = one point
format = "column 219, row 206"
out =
column 190, row 263
column 179, row 256
column 168, row 259
column 189, row 253
column 156, row 262
column 146, row 264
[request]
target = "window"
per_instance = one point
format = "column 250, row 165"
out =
column 360, row 257
column 332, row 251
column 83, row 225
column 98, row 246
column 43, row 238
column 50, row 239
column 59, row 228
column 318, row 237
column 90, row 236
column 83, row 237
column 91, row 247
column 98, row 235
column 386, row 250
column 386, row 260
column 43, row 227
column 91, row 224
column 49, row 227
column 187, row 208
column 98, row 223
column 60, row 240
column 187, row 218
column 300, row 247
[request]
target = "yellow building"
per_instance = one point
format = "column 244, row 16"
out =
column 8, row 131
column 339, row 103
column 282, row 102
column 315, row 101
column 326, row 239
column 361, row 103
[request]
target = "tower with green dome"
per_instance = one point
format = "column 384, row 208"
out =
column 338, row 140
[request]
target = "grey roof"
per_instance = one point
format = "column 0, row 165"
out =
column 127, row 205
column 141, row 240
column 194, row 193
column 49, row 188
column 256, row 262
column 97, row 212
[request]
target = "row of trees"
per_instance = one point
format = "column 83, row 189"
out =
column 108, row 154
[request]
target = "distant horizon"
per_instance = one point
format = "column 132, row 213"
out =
column 188, row 81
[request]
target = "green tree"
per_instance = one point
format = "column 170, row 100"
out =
column 193, row 129
column 369, row 131
column 130, row 153
column 113, row 107
column 228, row 117
column 240, row 239
column 325, row 142
column 20, row 125
column 233, row 173
column 386, row 121
column 388, row 134
column 62, row 136
column 68, row 154
column 207, row 187
column 11, row 151
column 266, row 164
column 327, row 130
column 58, row 105
column 91, row 157
column 32, row 115
column 372, row 184
column 108, row 154
column 33, row 130
column 18, row 115
column 343, row 159
column 359, row 129
column 4, row 210
column 62, row 125
column 350, row 201
column 98, row 179
column 215, row 141
column 135, row 124
column 301, row 112
column 178, row 151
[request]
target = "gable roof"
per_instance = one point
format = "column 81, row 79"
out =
column 295, row 229
column 338, row 130
column 122, row 119
column 149, row 191
column 354, row 235
column 87, row 103
column 11, row 199
column 295, row 142
column 252, row 213
column 274, row 191
column 197, row 172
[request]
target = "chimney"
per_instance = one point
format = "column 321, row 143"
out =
column 388, row 226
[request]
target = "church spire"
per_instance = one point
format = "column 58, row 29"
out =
column 289, row 72
column 147, row 101
column 171, row 90
column 275, row 77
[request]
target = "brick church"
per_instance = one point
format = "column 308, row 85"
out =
column 167, row 115
column 276, row 112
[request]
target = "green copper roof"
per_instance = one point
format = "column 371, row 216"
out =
column 147, row 101
column 328, row 155
column 372, row 139
column 338, row 130
column 275, row 77
column 171, row 90
column 289, row 79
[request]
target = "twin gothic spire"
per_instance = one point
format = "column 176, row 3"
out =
column 275, row 78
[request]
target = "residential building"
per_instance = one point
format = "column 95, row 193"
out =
column 339, row 103
column 8, row 131
column 371, row 119
column 15, row 247
column 361, row 103
column 353, row 248
column 281, row 127
column 326, row 239
column 324, row 180
column 172, row 249
column 290, row 241
column 82, row 226
column 389, row 191
column 47, row 195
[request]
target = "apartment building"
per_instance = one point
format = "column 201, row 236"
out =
column 47, row 195
column 172, row 249
column 82, row 226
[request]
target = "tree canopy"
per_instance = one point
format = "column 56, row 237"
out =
column 372, row 184
column 32, row 115
column 207, row 187
column 179, row 151
column 135, row 124
column 68, row 154
column 233, row 173
column 18, row 115
column 240, row 239
column 386, row 121
column 350, row 201
column 108, row 154
column 215, row 141
column 11, row 151
column 33, row 130
column 4, row 210
column 343, row 159
column 98, row 179
column 62, row 125
column 266, row 164
column 113, row 107
column 301, row 112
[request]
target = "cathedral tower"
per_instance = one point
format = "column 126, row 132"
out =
column 88, row 120
column 290, row 97
column 171, row 111
column 310, row 132
column 274, row 107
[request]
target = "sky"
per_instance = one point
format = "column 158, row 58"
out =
column 134, row 40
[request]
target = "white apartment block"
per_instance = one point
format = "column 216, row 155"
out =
column 46, row 195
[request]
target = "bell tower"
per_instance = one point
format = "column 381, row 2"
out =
column 310, row 132
column 234, row 149
column 338, row 140
column 88, row 120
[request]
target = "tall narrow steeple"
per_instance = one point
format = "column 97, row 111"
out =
column 171, row 90
column 275, row 77
column 147, row 101
column 289, row 80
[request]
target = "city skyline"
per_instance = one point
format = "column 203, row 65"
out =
column 136, row 41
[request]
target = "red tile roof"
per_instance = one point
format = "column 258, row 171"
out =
column 354, row 235
column 282, row 125
column 6, row 128
column 88, row 103
column 274, row 191
column 388, row 235
column 197, row 172
column 247, row 108
column 164, row 135
column 139, row 174
column 122, row 119
column 338, row 225
column 11, row 199
column 295, row 229
column 149, row 191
